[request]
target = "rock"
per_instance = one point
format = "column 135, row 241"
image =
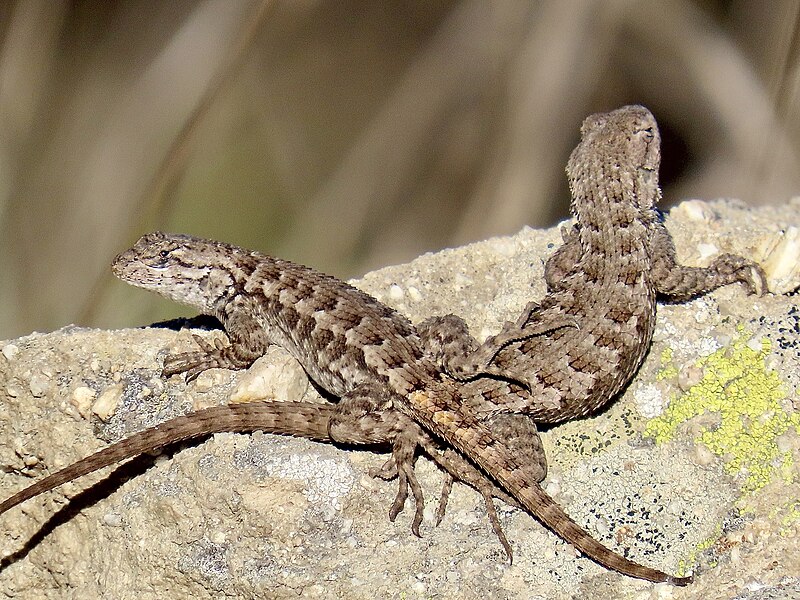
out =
column 694, row 465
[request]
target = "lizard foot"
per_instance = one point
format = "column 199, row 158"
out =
column 479, row 362
column 457, row 468
column 735, row 268
column 401, row 465
column 220, row 355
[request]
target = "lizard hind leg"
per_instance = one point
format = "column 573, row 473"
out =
column 401, row 464
column 448, row 343
column 364, row 416
column 457, row 468
column 521, row 435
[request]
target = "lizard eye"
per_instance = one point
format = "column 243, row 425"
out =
column 647, row 134
column 161, row 259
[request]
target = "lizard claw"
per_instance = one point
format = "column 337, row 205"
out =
column 456, row 467
column 387, row 472
column 447, row 487
column 491, row 512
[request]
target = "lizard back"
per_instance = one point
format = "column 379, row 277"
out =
column 600, row 278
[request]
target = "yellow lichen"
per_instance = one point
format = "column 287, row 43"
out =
column 745, row 397
column 701, row 547
column 670, row 370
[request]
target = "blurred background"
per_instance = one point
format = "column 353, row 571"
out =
column 351, row 135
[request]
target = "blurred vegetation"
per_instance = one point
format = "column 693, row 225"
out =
column 350, row 135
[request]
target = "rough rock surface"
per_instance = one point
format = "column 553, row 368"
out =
column 695, row 467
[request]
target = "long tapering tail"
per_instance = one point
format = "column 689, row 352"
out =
column 304, row 419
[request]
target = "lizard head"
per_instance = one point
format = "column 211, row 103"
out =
column 621, row 151
column 189, row 270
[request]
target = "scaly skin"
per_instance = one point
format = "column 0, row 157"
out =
column 617, row 258
column 296, row 418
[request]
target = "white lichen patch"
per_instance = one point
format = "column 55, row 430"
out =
column 647, row 502
column 327, row 480
column 649, row 400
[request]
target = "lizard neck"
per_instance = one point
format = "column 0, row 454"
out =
column 227, row 283
column 613, row 234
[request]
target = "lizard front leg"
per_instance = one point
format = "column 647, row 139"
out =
column 446, row 340
column 222, row 355
column 450, row 345
column 679, row 282
column 533, row 320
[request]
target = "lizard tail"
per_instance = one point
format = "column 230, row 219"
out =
column 544, row 508
column 304, row 419
column 470, row 436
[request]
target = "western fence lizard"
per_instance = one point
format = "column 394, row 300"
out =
column 358, row 349
column 602, row 282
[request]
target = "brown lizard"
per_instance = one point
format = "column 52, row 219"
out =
column 582, row 344
column 360, row 350
column 602, row 282
column 329, row 326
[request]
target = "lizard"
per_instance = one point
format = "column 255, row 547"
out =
column 582, row 344
column 335, row 310
column 416, row 385
column 602, row 283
